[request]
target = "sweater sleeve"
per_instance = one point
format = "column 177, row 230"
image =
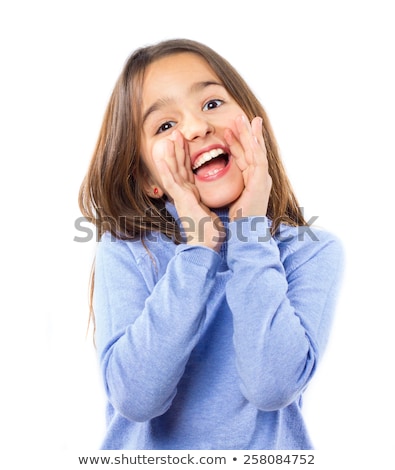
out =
column 282, row 308
column 145, row 335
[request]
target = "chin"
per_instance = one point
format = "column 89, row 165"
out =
column 220, row 200
column 222, row 191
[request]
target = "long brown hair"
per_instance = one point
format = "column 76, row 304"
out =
column 112, row 194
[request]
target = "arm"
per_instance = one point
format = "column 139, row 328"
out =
column 145, row 338
column 282, row 310
column 147, row 330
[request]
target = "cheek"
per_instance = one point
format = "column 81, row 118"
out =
column 159, row 150
column 237, row 185
column 152, row 154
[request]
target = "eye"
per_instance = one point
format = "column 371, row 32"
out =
column 212, row 104
column 166, row 126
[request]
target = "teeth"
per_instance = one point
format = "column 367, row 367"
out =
column 206, row 156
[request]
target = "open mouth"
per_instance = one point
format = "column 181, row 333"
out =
column 210, row 163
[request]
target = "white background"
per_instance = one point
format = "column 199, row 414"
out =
column 324, row 70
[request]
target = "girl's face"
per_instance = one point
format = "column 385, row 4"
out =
column 182, row 92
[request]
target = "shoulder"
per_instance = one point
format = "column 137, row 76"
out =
column 300, row 244
column 155, row 249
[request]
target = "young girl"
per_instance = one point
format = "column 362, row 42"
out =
column 212, row 297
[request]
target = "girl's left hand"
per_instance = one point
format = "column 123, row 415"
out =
column 249, row 153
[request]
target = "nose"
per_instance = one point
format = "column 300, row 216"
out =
column 196, row 126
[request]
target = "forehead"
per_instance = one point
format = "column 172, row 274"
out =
column 174, row 74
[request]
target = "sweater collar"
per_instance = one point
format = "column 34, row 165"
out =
column 221, row 213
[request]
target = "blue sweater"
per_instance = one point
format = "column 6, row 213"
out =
column 206, row 350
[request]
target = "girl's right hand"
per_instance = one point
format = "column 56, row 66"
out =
column 201, row 226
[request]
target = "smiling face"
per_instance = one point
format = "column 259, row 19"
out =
column 182, row 92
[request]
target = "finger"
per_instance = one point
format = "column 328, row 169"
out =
column 179, row 154
column 256, row 126
column 251, row 137
column 247, row 139
column 256, row 129
column 172, row 162
column 168, row 165
column 182, row 156
column 167, row 180
column 171, row 150
column 242, row 142
column 174, row 185
column 236, row 149
column 164, row 151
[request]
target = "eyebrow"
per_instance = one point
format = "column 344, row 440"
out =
column 162, row 102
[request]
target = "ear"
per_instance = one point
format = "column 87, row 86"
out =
column 152, row 189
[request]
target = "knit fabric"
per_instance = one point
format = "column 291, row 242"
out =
column 206, row 350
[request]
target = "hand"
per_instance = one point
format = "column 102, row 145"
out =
column 172, row 160
column 249, row 152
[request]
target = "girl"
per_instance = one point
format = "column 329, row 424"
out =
column 212, row 297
